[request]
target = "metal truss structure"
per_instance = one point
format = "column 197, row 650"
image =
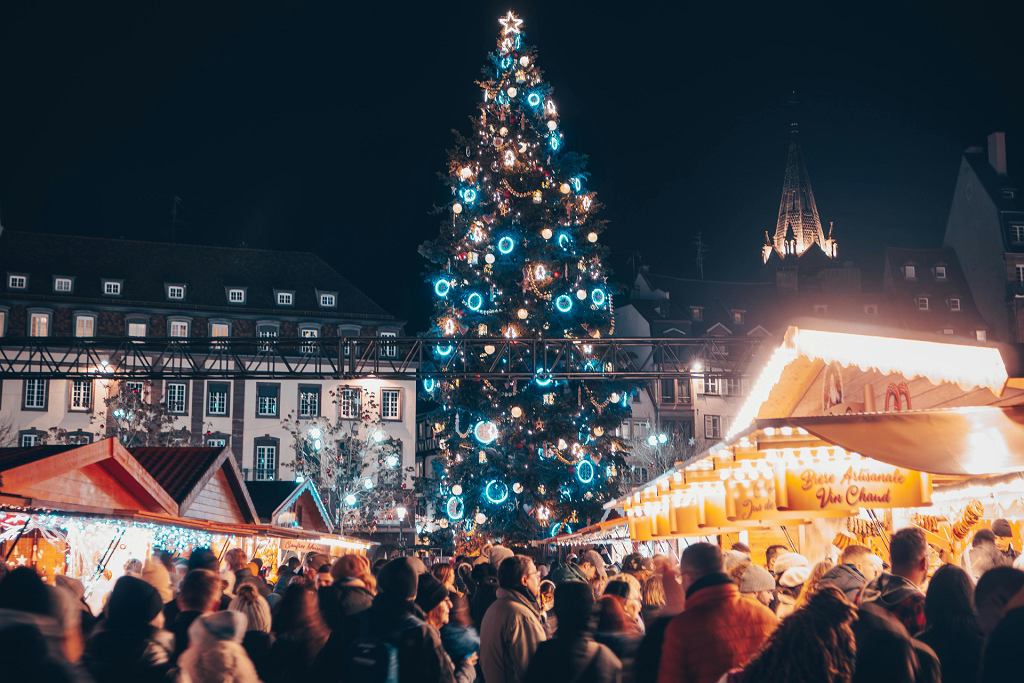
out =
column 373, row 357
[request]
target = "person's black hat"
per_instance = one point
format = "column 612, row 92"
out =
column 430, row 592
column 1002, row 528
column 398, row 579
column 133, row 602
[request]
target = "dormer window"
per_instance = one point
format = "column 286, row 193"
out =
column 940, row 272
column 909, row 272
column 285, row 298
column 17, row 281
column 236, row 295
column 63, row 285
column 176, row 292
column 112, row 288
column 922, row 303
column 954, row 304
column 1017, row 233
column 328, row 299
column 696, row 313
column 739, row 317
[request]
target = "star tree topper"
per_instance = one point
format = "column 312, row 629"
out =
column 510, row 23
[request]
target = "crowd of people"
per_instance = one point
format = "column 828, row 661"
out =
column 501, row 617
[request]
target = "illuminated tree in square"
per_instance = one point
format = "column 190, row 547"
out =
column 519, row 256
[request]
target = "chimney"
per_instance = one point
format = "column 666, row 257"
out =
column 997, row 152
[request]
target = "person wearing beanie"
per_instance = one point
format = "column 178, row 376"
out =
column 394, row 620
column 215, row 653
column 787, row 560
column 433, row 598
column 257, row 640
column 757, row 583
column 126, row 646
column 791, row 582
column 1004, row 538
column 350, row 593
column 155, row 573
column 499, row 554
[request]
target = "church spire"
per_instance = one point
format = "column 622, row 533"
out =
column 798, row 226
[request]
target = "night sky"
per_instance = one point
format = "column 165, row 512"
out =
column 323, row 127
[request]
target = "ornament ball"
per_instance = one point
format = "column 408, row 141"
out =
column 592, row 237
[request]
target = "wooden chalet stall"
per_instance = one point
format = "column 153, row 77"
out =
column 840, row 429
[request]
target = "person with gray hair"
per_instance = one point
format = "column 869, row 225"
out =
column 719, row 630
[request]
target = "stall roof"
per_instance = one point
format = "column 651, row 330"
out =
column 271, row 498
column 801, row 358
column 958, row 441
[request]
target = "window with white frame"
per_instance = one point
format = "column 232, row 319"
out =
column 697, row 313
column 940, row 272
column 3, row 322
column 176, row 398
column 733, row 386
column 712, row 426
column 17, row 281
column 712, row 386
column 922, row 303
column 391, row 404
column 1017, row 233
column 81, row 394
column 388, row 349
column 29, row 438
column 268, row 398
column 39, row 325
column 136, row 328
column 135, row 387
column 79, row 437
column 668, row 391
column 216, row 441
column 309, row 400
column 328, row 300
column 34, row 395
column 266, row 461
column 739, row 317
column 954, row 304
column 909, row 272
column 85, row 325
column 981, row 335
column 308, row 333
column 112, row 287
column 176, row 292
column 349, row 400
column 217, row 394
column 220, row 329
column 177, row 328
column 1020, row 272
column 236, row 295
column 62, row 285
column 285, row 298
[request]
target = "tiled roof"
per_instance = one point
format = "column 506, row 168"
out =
column 207, row 272
column 267, row 496
column 16, row 457
column 177, row 470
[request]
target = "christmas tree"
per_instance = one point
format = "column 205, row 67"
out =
column 519, row 256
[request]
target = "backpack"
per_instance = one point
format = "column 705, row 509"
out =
column 372, row 657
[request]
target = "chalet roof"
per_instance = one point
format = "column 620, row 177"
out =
column 207, row 271
column 16, row 457
column 183, row 471
column 267, row 496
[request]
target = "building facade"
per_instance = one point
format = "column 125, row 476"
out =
column 72, row 286
column 986, row 230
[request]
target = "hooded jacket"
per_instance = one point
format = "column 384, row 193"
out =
column 901, row 598
column 215, row 653
column 847, row 578
column 511, row 631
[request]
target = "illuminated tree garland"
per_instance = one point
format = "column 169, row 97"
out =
column 519, row 256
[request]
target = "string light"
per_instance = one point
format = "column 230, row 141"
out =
column 506, row 244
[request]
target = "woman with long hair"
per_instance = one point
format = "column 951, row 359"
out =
column 300, row 631
column 951, row 624
column 814, row 644
column 813, row 580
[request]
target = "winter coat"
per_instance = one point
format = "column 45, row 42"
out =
column 257, row 645
column 483, row 597
column 215, row 653
column 648, row 654
column 131, row 655
column 901, row 598
column 341, row 601
column 580, row 660
column 886, row 652
column 718, row 631
column 958, row 650
column 1001, row 662
column 421, row 656
column 509, row 636
column 570, row 571
column 459, row 641
column 179, row 628
column 848, row 579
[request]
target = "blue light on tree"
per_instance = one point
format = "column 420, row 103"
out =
column 444, row 350
column 496, row 492
column 576, row 182
column 468, row 195
column 543, row 378
column 557, row 527
column 429, row 384
column 506, row 244
column 599, row 297
column 555, row 141
column 585, row 471
column 474, row 301
column 456, row 508
column 485, row 431
column 534, row 99
column 442, row 287
column 564, row 240
column 505, row 62
column 563, row 303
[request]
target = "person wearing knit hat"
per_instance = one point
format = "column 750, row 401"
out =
column 757, row 583
column 256, row 610
column 397, row 579
column 215, row 651
column 432, row 598
column 126, row 646
column 499, row 554
column 155, row 573
column 786, row 561
column 1004, row 538
column 791, row 581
